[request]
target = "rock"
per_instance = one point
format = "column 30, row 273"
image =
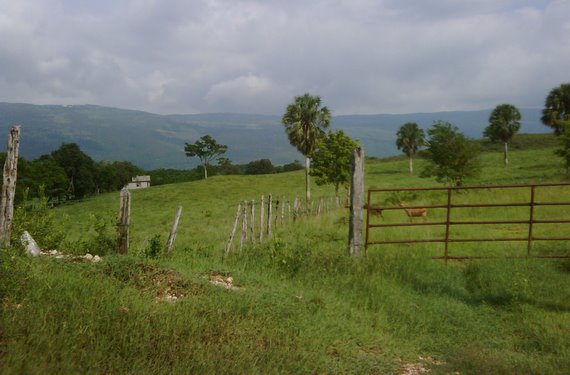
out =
column 30, row 244
column 88, row 256
column 96, row 259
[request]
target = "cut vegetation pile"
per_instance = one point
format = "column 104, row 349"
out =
column 295, row 303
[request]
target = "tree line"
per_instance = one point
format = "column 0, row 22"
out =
column 452, row 157
column 68, row 173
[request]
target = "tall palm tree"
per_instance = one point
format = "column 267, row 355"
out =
column 556, row 112
column 305, row 122
column 409, row 139
column 504, row 123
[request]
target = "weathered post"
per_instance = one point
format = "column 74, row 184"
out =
column 233, row 232
column 276, row 219
column 319, row 207
column 356, row 203
column 172, row 236
column 9, row 185
column 124, row 221
column 283, row 210
column 261, row 218
column 269, row 214
column 252, row 222
column 296, row 209
column 243, row 226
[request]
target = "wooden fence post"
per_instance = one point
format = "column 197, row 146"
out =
column 124, row 221
column 269, row 214
column 296, row 209
column 252, row 222
column 243, row 226
column 261, row 217
column 276, row 219
column 233, row 232
column 283, row 210
column 172, row 236
column 9, row 186
column 356, row 203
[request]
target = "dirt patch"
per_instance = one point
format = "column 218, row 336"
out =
column 421, row 367
column 75, row 258
column 223, row 280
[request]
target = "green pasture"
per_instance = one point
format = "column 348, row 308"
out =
column 302, row 305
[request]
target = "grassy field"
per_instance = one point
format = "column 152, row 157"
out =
column 301, row 304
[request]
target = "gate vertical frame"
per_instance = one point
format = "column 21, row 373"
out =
column 368, row 204
column 530, row 221
column 447, row 222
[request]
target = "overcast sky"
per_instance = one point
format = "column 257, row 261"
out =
column 360, row 56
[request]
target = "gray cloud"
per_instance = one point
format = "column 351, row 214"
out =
column 360, row 56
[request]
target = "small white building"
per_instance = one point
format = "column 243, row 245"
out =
column 139, row 182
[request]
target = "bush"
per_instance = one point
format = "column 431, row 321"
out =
column 36, row 217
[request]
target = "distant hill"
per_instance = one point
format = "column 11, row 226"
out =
column 157, row 141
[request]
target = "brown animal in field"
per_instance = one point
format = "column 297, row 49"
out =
column 415, row 212
column 374, row 211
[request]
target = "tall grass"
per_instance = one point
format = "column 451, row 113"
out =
column 303, row 305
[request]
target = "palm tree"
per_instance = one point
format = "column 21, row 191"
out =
column 305, row 123
column 504, row 123
column 556, row 110
column 409, row 139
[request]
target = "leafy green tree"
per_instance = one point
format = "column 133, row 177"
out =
column 206, row 149
column 227, row 167
column 112, row 176
column 409, row 139
column 79, row 168
column 452, row 157
column 294, row 166
column 262, row 166
column 47, row 176
column 305, row 121
column 504, row 123
column 331, row 161
column 556, row 112
column 564, row 151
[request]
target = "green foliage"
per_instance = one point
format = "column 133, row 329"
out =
column 564, row 151
column 331, row 161
column 113, row 176
column 79, row 168
column 291, row 167
column 453, row 158
column 153, row 248
column 206, row 149
column 305, row 122
column 99, row 239
column 504, row 123
column 36, row 216
column 173, row 176
column 409, row 139
column 556, row 112
column 262, row 166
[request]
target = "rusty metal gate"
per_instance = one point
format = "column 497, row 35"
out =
column 450, row 207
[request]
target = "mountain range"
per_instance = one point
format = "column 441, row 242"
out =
column 157, row 141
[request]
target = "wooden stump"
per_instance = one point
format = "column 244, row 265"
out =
column 172, row 236
column 124, row 221
column 356, row 203
column 9, row 186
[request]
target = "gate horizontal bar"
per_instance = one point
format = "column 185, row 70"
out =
column 474, row 187
column 505, row 257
